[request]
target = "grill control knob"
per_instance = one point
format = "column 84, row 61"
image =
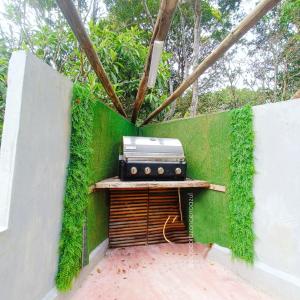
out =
column 177, row 171
column 147, row 170
column 133, row 170
column 160, row 170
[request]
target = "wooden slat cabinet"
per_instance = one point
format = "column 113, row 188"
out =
column 138, row 215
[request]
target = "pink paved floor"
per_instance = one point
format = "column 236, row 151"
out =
column 162, row 272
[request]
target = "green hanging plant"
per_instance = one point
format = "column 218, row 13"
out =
column 241, row 199
column 77, row 184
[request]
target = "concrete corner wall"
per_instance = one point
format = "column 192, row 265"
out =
column 277, row 203
column 33, row 164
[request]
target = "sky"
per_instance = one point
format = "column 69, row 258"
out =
column 246, row 5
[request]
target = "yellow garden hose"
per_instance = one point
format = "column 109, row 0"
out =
column 164, row 229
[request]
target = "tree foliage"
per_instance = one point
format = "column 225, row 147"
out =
column 222, row 100
column 4, row 55
column 270, row 71
column 275, row 52
column 122, row 51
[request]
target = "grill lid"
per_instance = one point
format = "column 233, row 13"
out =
column 152, row 149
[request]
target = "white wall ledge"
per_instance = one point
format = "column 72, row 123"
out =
column 10, row 133
column 273, row 282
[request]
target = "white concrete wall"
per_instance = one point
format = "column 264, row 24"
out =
column 277, row 202
column 33, row 162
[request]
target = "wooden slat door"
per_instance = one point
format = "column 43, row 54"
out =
column 137, row 217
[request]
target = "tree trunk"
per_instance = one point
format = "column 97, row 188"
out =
column 275, row 81
column 285, row 79
column 196, row 46
column 147, row 11
column 171, row 112
column 95, row 11
column 183, row 43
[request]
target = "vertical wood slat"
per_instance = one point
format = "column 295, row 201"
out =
column 147, row 216
column 128, row 217
column 160, row 31
column 137, row 217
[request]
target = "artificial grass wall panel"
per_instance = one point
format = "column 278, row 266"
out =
column 97, row 219
column 210, row 218
column 206, row 142
column 108, row 129
column 241, row 204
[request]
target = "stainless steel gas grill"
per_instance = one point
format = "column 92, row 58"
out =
column 149, row 158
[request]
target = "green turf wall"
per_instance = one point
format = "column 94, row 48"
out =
column 108, row 130
column 206, row 142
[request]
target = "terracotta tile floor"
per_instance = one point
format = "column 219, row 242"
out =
column 162, row 272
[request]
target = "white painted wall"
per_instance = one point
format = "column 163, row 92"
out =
column 277, row 202
column 33, row 163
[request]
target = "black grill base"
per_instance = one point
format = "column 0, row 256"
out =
column 169, row 171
